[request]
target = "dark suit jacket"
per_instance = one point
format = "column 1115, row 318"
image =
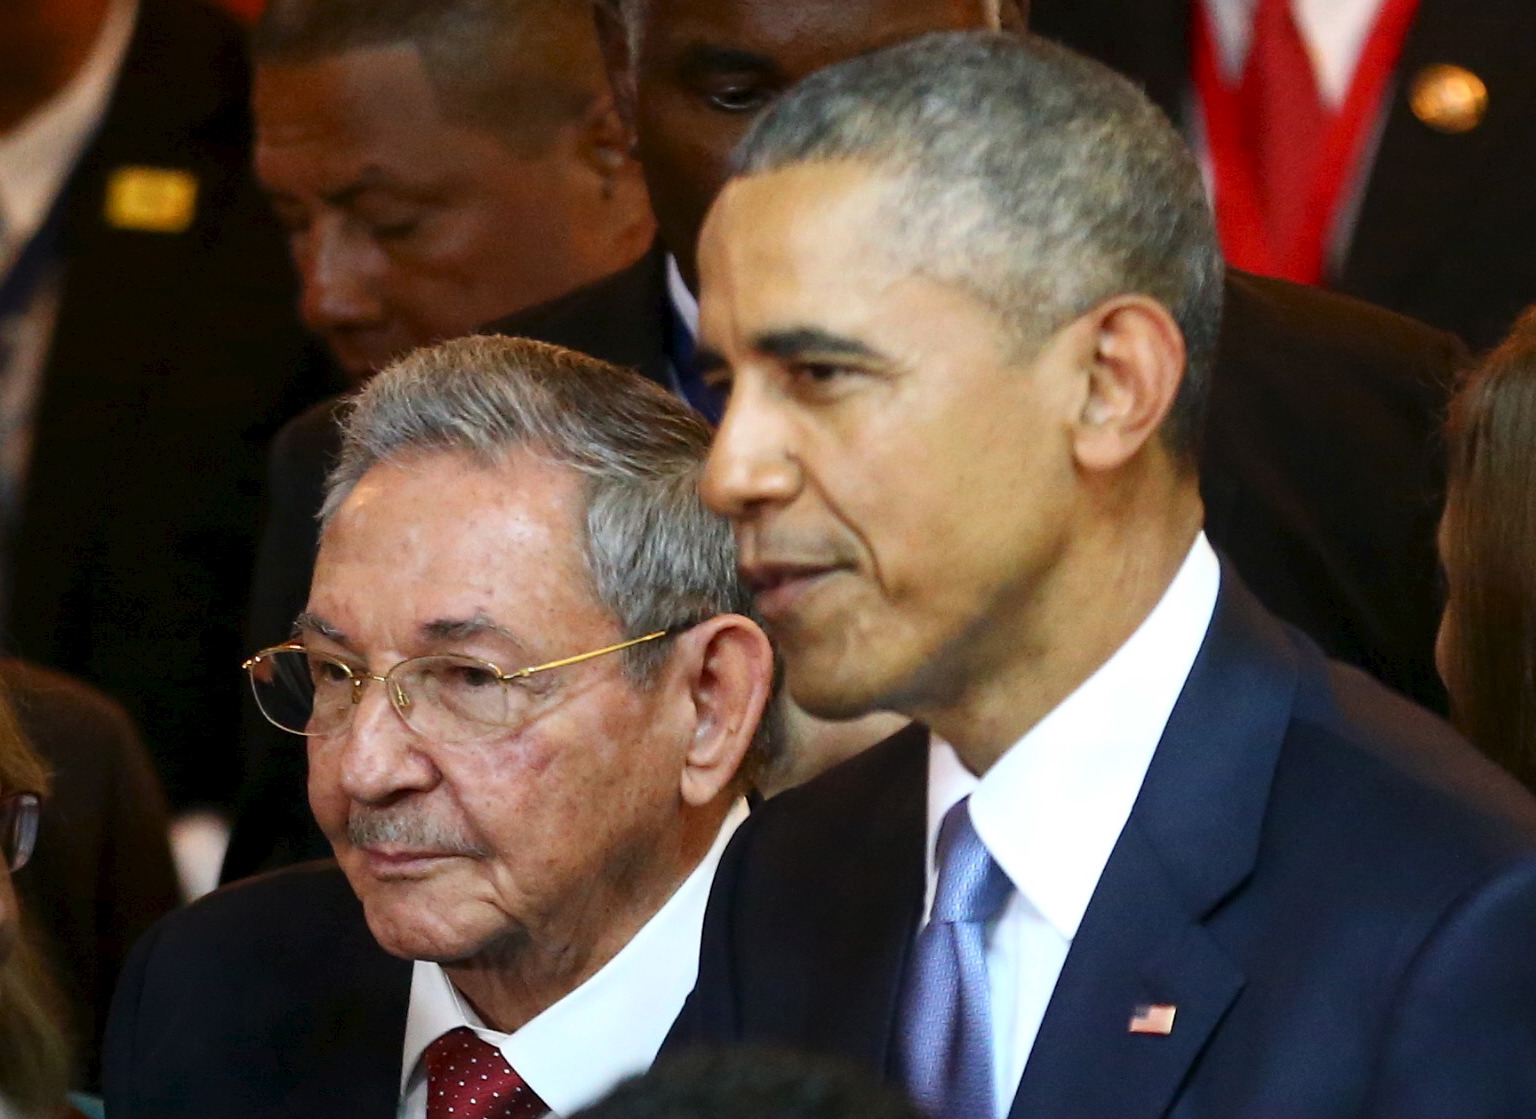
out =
column 175, row 358
column 102, row 872
column 1337, row 894
column 267, row 999
column 1447, row 226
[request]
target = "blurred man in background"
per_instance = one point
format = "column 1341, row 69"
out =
column 437, row 165
column 148, row 351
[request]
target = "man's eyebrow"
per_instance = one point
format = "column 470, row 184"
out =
column 457, row 629
column 372, row 177
column 314, row 623
column 707, row 361
column 798, row 342
column 708, row 58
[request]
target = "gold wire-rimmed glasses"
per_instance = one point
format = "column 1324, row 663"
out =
column 19, row 815
column 443, row 697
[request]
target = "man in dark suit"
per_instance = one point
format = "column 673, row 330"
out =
column 1445, row 211
column 153, row 306
column 531, row 804
column 964, row 292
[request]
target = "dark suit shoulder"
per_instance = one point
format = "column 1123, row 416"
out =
column 1322, row 469
column 620, row 318
column 306, row 446
column 294, row 910
column 886, row 781
column 1357, row 337
column 1404, row 774
column 266, row 998
column 820, row 884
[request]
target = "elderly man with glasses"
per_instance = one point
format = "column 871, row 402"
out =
column 530, row 701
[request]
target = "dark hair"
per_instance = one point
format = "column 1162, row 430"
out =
column 1034, row 179
column 751, row 1083
column 1488, row 542
column 520, row 68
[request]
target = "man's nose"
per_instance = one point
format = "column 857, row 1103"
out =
column 340, row 270
column 379, row 756
column 753, row 461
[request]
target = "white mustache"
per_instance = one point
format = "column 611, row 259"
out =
column 410, row 828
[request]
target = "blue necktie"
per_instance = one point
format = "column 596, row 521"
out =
column 681, row 346
column 946, row 1025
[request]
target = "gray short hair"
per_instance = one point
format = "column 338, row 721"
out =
column 657, row 558
column 1034, row 179
column 519, row 68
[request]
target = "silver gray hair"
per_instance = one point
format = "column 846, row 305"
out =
column 1037, row 181
column 657, row 558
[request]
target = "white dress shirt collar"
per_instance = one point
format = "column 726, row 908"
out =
column 1051, row 809
column 608, row 1028
column 682, row 299
column 37, row 156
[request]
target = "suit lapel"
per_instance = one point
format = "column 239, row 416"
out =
column 1190, row 842
column 357, row 1066
column 350, row 1046
column 862, row 935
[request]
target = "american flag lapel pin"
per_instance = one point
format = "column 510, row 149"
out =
column 1153, row 1018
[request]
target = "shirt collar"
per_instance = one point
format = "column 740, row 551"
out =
column 608, row 1028
column 682, row 299
column 36, row 156
column 1051, row 809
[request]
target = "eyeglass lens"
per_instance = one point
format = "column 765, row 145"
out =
column 19, row 814
column 447, row 698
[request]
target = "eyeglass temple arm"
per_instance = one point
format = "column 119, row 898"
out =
column 579, row 657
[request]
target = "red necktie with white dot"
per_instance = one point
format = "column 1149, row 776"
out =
column 469, row 1079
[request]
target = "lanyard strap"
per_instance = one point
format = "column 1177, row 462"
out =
column 21, row 281
column 1238, row 217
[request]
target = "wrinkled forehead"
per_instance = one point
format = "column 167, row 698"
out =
column 451, row 517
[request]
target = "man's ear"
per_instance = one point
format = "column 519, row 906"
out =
column 1133, row 357
column 618, row 61
column 728, row 665
column 603, row 144
column 1014, row 15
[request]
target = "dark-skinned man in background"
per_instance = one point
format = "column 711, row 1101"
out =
column 436, row 165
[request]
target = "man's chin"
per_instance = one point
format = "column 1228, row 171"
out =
column 420, row 932
column 829, row 694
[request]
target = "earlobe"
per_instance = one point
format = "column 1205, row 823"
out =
column 1134, row 365
column 614, row 41
column 605, row 143
column 731, row 676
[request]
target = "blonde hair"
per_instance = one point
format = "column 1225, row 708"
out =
column 35, row 1053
